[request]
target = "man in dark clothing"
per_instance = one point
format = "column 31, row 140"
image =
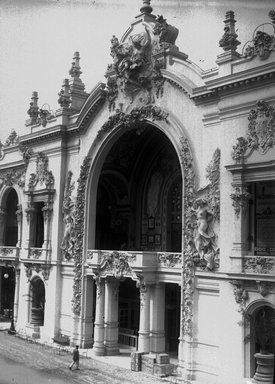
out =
column 75, row 358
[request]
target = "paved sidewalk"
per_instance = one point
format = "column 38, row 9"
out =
column 55, row 361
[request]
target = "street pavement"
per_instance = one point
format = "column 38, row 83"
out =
column 22, row 362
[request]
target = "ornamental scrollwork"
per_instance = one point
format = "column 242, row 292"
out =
column 117, row 263
column 43, row 268
column 77, row 250
column 261, row 132
column 133, row 119
column 240, row 294
column 240, row 200
column 42, row 175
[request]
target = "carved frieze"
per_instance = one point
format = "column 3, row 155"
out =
column 259, row 264
column 261, row 131
column 169, row 260
column 42, row 175
column 117, row 263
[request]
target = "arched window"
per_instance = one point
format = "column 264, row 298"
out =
column 10, row 225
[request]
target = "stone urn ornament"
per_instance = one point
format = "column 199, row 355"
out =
column 265, row 338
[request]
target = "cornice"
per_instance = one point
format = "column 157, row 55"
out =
column 51, row 133
column 225, row 86
column 11, row 166
column 91, row 105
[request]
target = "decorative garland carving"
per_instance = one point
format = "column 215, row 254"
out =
column 240, row 198
column 188, row 269
column 240, row 293
column 169, row 260
column 42, row 175
column 132, row 120
column 261, row 132
column 68, row 218
column 258, row 264
column 78, row 235
column 213, row 174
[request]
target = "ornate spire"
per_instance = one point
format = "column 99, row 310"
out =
column 75, row 69
column 146, row 7
column 229, row 40
column 77, row 88
column 64, row 95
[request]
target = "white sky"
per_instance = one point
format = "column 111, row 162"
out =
column 38, row 39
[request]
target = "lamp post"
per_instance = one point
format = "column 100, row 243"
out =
column 11, row 331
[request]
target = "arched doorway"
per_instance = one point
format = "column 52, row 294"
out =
column 37, row 294
column 140, row 176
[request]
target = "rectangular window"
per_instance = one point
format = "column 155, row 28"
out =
column 262, row 218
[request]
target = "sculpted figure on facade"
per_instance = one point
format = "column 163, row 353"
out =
column 204, row 236
column 69, row 219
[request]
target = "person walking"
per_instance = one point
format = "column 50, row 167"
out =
column 75, row 358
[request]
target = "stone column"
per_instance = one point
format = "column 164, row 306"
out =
column 99, row 348
column 19, row 214
column 144, row 320
column 157, row 311
column 111, row 316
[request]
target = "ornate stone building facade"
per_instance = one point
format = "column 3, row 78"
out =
column 143, row 213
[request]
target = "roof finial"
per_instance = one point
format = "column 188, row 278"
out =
column 146, row 7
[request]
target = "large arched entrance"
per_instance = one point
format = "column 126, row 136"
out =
column 139, row 194
column 138, row 210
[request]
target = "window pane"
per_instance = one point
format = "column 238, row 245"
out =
column 265, row 218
